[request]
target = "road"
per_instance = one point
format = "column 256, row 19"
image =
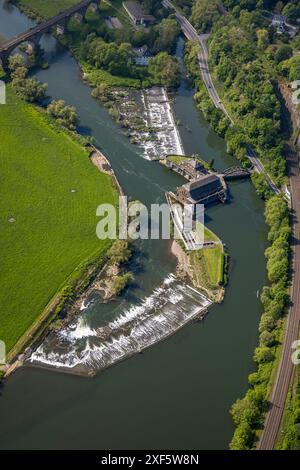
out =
column 191, row 34
column 286, row 367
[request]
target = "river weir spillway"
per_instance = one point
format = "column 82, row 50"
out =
column 86, row 350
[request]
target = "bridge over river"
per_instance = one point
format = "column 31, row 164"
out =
column 59, row 21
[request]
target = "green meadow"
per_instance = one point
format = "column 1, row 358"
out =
column 47, row 8
column 49, row 195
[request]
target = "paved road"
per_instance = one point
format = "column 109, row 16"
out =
column 191, row 34
column 285, row 370
column 257, row 164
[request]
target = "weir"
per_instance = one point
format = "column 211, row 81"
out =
column 86, row 350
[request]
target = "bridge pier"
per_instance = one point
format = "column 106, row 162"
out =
column 4, row 58
column 61, row 27
column 95, row 5
column 33, row 44
column 80, row 15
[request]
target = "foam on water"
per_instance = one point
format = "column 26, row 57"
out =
column 158, row 115
column 82, row 348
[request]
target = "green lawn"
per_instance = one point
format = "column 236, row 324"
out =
column 49, row 195
column 177, row 159
column 209, row 236
column 48, row 8
column 208, row 264
column 97, row 76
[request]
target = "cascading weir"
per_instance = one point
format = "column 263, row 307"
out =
column 80, row 349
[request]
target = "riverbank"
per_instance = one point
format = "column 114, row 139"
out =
column 131, row 333
column 206, row 269
column 58, row 185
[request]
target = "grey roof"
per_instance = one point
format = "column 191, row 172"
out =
column 201, row 182
column 204, row 186
column 136, row 11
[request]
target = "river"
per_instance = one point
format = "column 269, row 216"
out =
column 177, row 394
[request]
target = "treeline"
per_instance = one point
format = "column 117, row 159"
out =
column 236, row 138
column 248, row 413
column 248, row 87
column 119, row 60
column 33, row 91
column 205, row 13
column 289, row 8
column 116, row 59
column 160, row 37
column 30, row 89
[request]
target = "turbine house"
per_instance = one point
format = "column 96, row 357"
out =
column 205, row 190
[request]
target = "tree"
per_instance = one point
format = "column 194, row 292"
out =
column 292, row 11
column 266, row 339
column 204, row 14
column 66, row 115
column 120, row 282
column 16, row 61
column 267, row 323
column 262, row 38
column 20, row 73
column 261, row 185
column 165, row 70
column 30, row 89
column 283, row 53
column 167, row 32
column 119, row 252
column 263, row 354
column 243, row 438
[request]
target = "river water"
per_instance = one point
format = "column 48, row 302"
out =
column 178, row 393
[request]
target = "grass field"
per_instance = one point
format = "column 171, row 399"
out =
column 207, row 265
column 48, row 8
column 49, row 195
column 97, row 76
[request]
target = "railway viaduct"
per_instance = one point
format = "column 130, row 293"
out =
column 60, row 22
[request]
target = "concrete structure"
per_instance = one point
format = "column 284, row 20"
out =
column 278, row 21
column 189, row 168
column 34, row 35
column 295, row 85
column 205, row 190
column 136, row 14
